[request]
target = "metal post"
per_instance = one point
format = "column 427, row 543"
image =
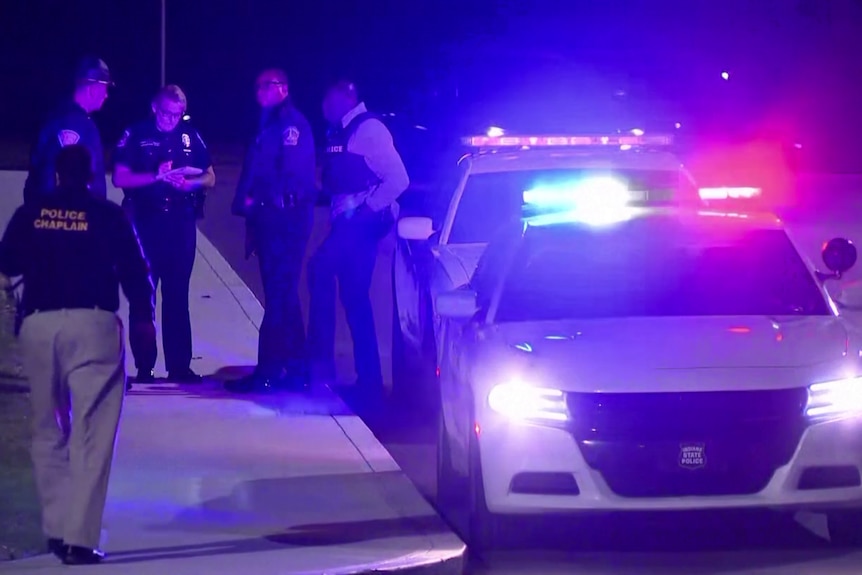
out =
column 164, row 39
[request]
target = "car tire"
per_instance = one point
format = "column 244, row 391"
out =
column 845, row 527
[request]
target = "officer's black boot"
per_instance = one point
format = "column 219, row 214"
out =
column 184, row 376
column 57, row 547
column 75, row 555
column 144, row 376
column 253, row 383
column 297, row 376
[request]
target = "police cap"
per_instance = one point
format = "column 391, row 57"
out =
column 92, row 69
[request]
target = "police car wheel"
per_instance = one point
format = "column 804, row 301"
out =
column 845, row 527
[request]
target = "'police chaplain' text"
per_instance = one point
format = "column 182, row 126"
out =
column 64, row 220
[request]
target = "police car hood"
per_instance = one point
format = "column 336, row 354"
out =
column 674, row 353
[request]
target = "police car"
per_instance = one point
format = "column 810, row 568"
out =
column 619, row 356
column 432, row 257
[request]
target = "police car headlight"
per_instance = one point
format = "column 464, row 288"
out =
column 524, row 402
column 835, row 398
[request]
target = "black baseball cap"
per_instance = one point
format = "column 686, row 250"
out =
column 91, row 69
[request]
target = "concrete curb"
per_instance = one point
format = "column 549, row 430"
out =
column 447, row 561
column 241, row 293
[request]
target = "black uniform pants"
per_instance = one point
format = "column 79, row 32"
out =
column 280, row 237
column 169, row 242
column 347, row 256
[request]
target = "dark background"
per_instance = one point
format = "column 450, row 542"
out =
column 456, row 66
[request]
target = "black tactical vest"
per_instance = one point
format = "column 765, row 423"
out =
column 345, row 173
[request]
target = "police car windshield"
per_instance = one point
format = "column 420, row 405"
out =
column 490, row 199
column 637, row 270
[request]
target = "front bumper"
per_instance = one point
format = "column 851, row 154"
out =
column 673, row 452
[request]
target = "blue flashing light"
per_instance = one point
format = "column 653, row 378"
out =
column 596, row 200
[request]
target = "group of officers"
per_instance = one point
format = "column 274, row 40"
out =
column 75, row 249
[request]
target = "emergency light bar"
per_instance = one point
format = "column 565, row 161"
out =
column 565, row 141
column 728, row 193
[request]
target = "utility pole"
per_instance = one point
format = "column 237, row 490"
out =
column 164, row 41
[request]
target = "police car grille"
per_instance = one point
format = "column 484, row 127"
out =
column 678, row 444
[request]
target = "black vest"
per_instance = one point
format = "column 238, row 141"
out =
column 346, row 173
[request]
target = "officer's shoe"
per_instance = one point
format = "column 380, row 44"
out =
column 57, row 547
column 296, row 378
column 184, row 376
column 253, row 383
column 145, row 376
column 75, row 555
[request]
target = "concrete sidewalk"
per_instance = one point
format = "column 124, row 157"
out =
column 204, row 482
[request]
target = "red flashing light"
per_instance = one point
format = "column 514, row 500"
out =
column 565, row 141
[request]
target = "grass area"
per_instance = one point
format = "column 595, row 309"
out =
column 20, row 530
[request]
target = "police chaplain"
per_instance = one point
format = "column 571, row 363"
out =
column 75, row 251
column 276, row 194
column 72, row 124
column 364, row 175
column 164, row 168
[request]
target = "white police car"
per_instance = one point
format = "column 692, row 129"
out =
column 621, row 358
column 430, row 259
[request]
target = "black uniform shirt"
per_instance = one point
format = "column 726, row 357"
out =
column 279, row 167
column 74, row 252
column 70, row 124
column 143, row 147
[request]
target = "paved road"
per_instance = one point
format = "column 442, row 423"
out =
column 759, row 543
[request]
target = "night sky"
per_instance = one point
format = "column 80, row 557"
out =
column 504, row 59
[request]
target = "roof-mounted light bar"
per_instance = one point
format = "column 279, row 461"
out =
column 565, row 141
column 728, row 193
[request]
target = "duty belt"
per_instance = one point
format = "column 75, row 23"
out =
column 190, row 202
column 279, row 202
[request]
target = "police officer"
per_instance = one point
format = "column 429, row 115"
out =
column 276, row 194
column 75, row 251
column 71, row 124
column 364, row 175
column 164, row 204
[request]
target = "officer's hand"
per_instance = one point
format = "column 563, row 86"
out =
column 178, row 182
column 164, row 168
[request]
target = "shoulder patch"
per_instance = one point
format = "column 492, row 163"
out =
column 68, row 137
column 124, row 139
column 291, row 136
column 187, row 141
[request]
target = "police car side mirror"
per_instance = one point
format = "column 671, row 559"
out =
column 839, row 255
column 415, row 228
column 457, row 304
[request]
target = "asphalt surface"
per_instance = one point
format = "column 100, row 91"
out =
column 692, row 544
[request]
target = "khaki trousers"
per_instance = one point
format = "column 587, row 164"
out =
column 75, row 362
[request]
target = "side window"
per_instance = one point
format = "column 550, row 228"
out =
column 489, row 201
column 491, row 265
